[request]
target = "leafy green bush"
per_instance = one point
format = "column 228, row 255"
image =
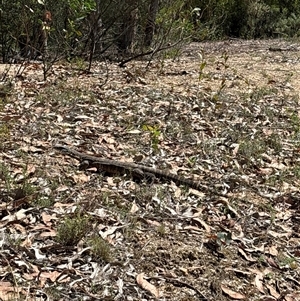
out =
column 72, row 230
column 288, row 26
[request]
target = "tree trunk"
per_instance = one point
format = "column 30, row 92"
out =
column 150, row 25
column 127, row 32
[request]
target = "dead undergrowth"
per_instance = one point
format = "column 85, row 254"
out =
column 225, row 114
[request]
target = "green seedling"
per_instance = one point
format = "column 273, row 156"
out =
column 154, row 134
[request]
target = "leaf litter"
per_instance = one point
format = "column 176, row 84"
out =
column 232, row 124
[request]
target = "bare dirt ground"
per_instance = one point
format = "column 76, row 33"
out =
column 225, row 114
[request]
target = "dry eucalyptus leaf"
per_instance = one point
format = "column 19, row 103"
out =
column 143, row 283
column 232, row 294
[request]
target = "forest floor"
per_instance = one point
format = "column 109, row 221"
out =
column 226, row 114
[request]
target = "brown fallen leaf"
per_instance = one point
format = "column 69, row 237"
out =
column 248, row 257
column 268, row 298
column 265, row 171
column 193, row 229
column 134, row 208
column 273, row 291
column 292, row 297
column 8, row 291
column 202, row 223
column 235, row 150
column 47, row 218
column 272, row 262
column 259, row 282
column 143, row 283
column 231, row 293
column 10, row 117
column 80, row 178
column 153, row 223
column 6, row 286
column 273, row 250
column 44, row 276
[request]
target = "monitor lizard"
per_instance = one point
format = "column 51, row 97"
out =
column 135, row 170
